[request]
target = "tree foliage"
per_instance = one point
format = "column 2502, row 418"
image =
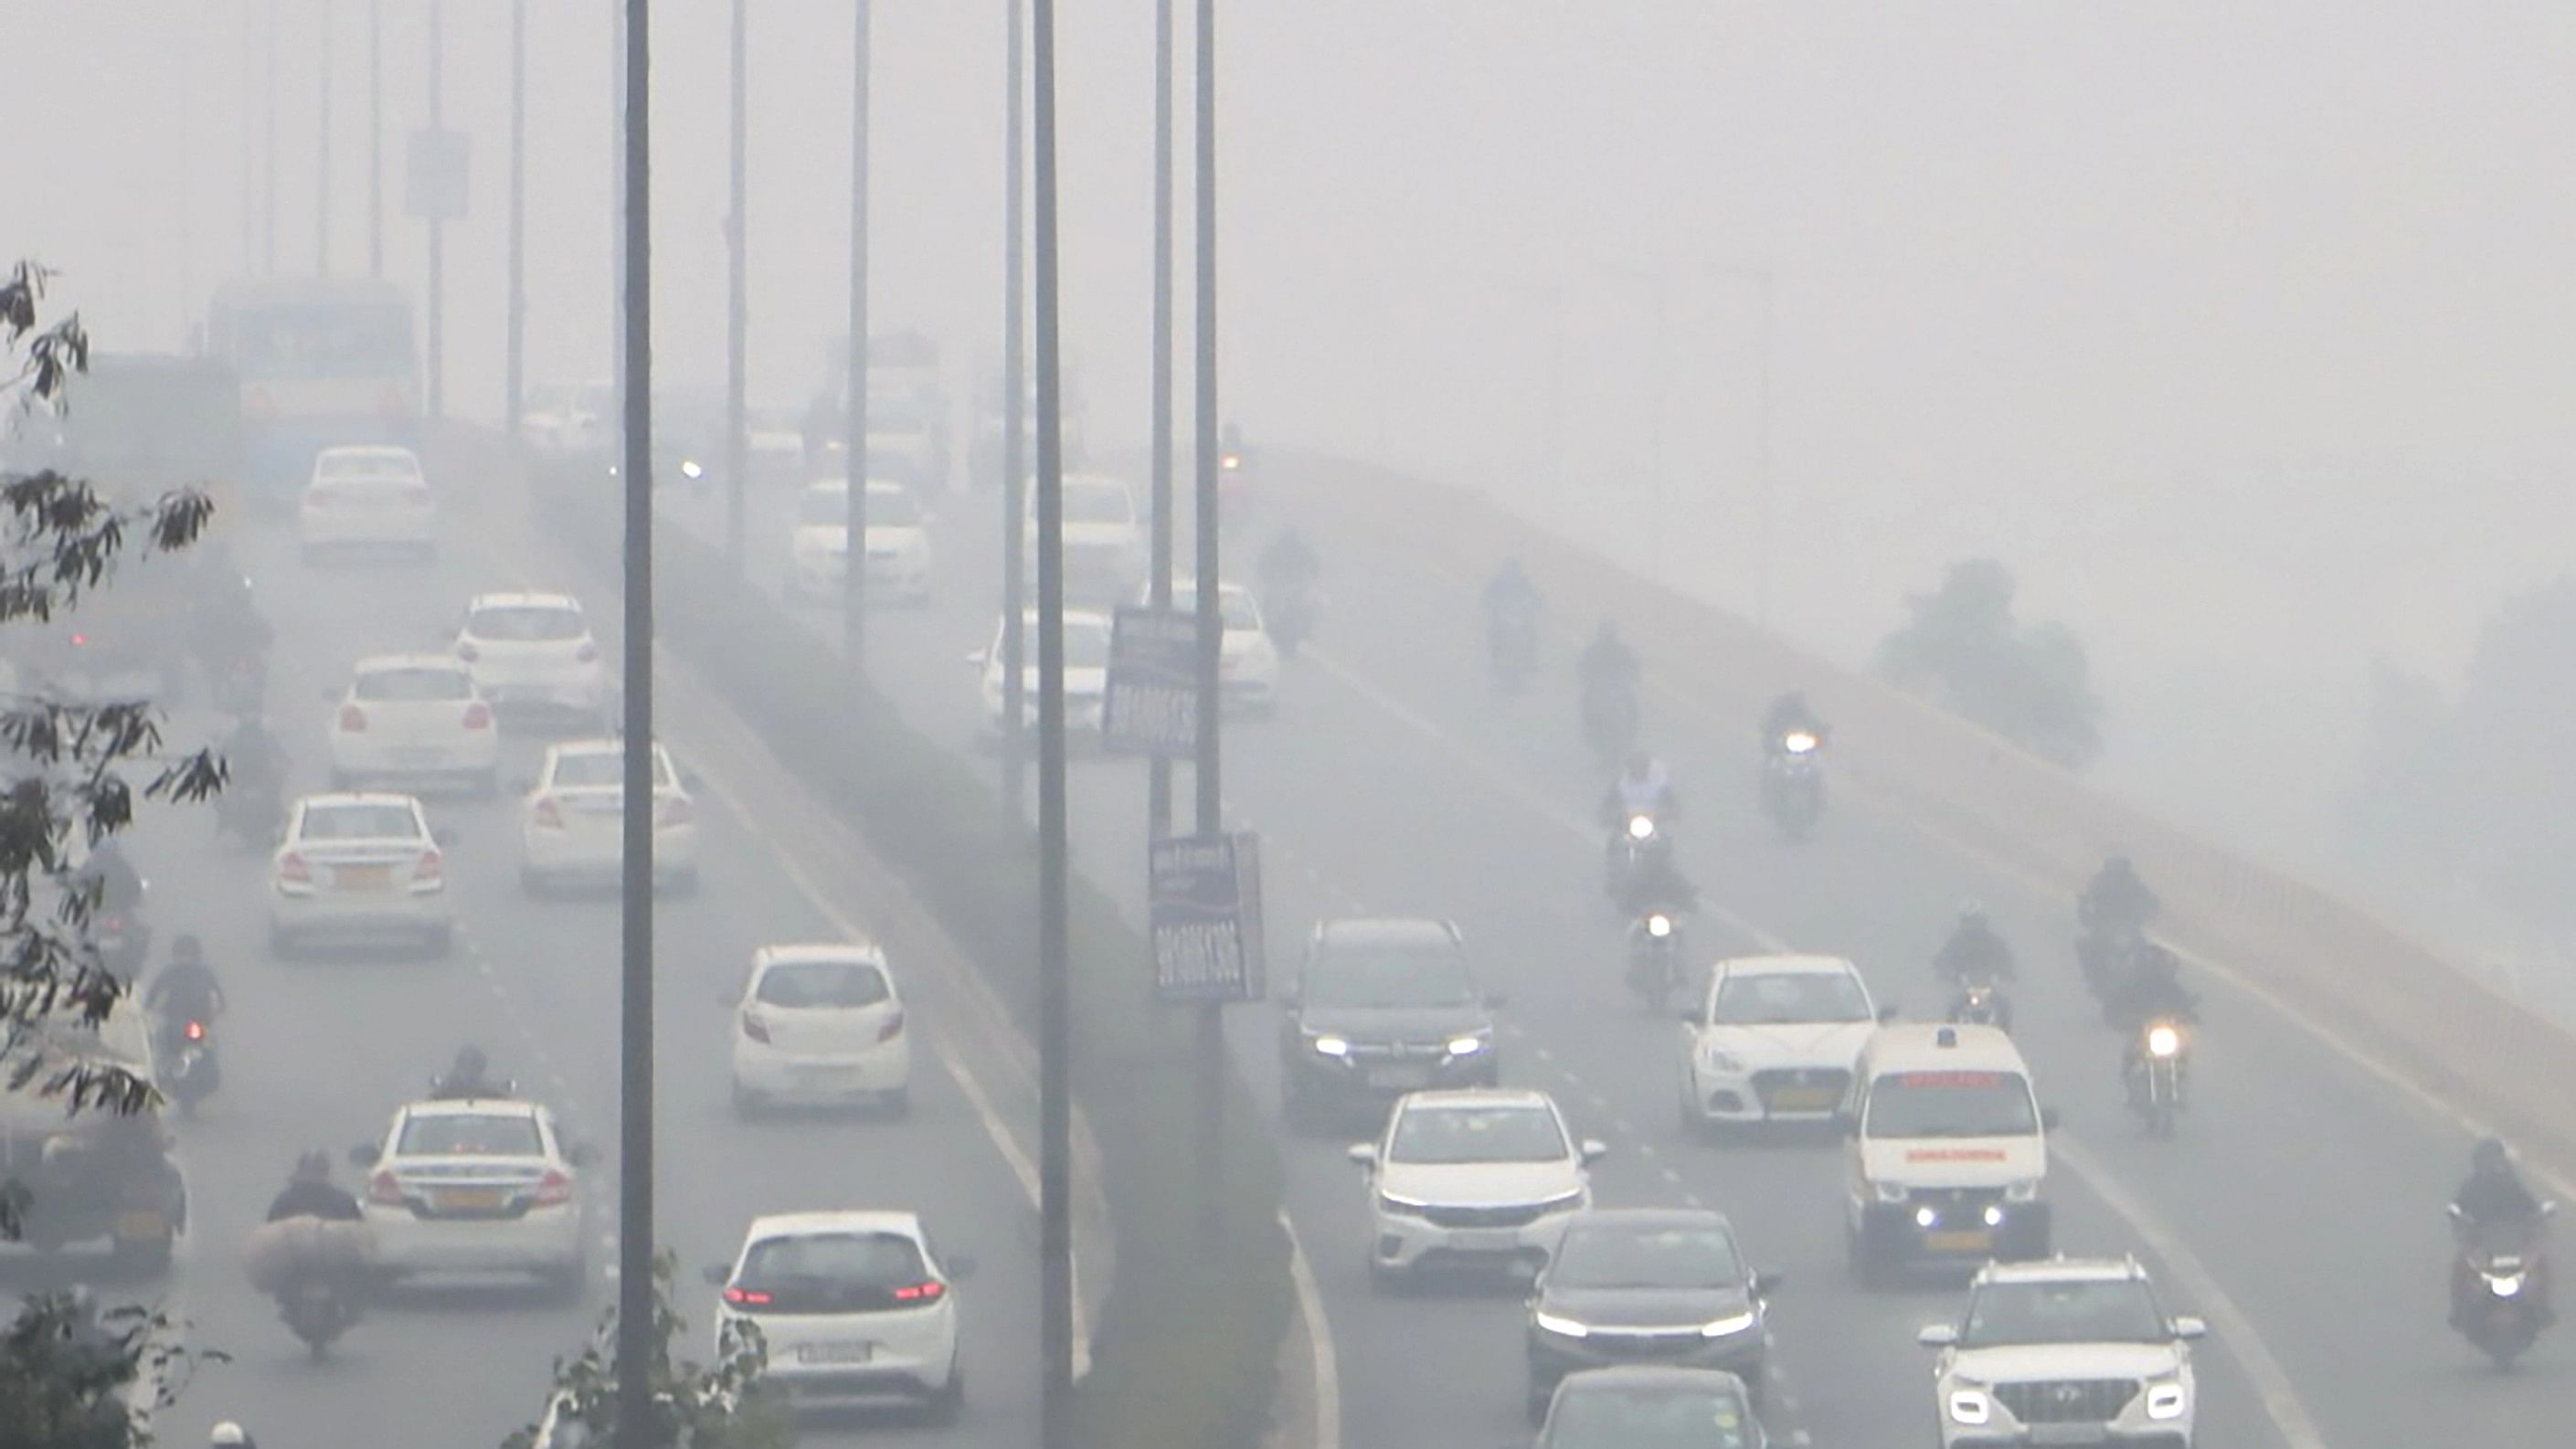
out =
column 1963, row 648
column 73, row 1378
column 723, row 1405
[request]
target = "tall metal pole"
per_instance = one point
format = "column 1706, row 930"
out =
column 637, row 1410
column 854, row 451
column 436, row 389
column 249, row 167
column 1158, row 796
column 617, row 12
column 1762, row 453
column 1055, row 1111
column 322, row 147
column 1655, row 427
column 376, row 138
column 1211, row 1020
column 737, row 459
column 268, row 144
column 514, row 373
column 1014, row 420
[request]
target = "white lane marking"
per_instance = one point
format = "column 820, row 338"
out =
column 2271, row 1382
column 1319, row 1341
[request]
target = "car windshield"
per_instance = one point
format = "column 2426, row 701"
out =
column 366, row 463
column 1386, row 977
column 410, row 684
column 1516, row 1133
column 1621, row 1255
column 460, row 1134
column 1098, row 503
column 1772, row 998
column 525, row 623
column 1086, row 644
column 1951, row 1104
column 821, row 984
column 1633, row 1416
column 358, row 822
column 591, row 768
column 2119, row 1310
column 830, row 1273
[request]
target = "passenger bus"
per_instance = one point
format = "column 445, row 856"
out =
column 322, row 362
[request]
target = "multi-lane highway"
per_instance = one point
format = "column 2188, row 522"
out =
column 2300, row 1210
column 318, row 1053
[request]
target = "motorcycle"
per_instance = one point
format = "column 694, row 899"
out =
column 2156, row 1075
column 1291, row 617
column 250, row 812
column 2105, row 954
column 1981, row 1003
column 2508, row 1303
column 1655, row 959
column 1639, row 836
column 189, row 1070
column 1793, row 783
column 318, row 1306
column 1610, row 721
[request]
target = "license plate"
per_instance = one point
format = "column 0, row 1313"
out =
column 363, row 877
column 1399, row 1076
column 1484, row 1240
column 2069, row 1434
column 1962, row 1242
column 468, row 1199
column 131, row 1226
column 1804, row 1099
column 836, row 1353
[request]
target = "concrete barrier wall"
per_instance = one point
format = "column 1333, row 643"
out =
column 2420, row 1016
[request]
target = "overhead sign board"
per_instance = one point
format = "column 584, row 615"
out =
column 1152, row 702
column 434, row 178
column 1206, row 895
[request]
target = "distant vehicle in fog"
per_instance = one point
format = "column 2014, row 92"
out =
column 571, row 826
column 414, row 718
column 371, row 499
column 1086, row 672
column 898, row 545
column 359, row 869
column 321, row 361
column 476, row 1188
column 820, row 1024
column 533, row 654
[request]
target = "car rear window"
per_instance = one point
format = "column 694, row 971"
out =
column 400, row 466
column 359, row 822
column 1633, row 1416
column 525, row 623
column 822, row 984
column 832, row 1273
column 469, row 1135
column 602, row 767
column 427, row 682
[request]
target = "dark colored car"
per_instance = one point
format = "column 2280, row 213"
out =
column 1381, row 1008
column 1652, row 1408
column 1633, row 1286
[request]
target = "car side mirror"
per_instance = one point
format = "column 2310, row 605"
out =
column 2048, row 1118
column 716, row 1274
column 1937, row 1335
column 961, row 1266
column 581, row 1154
column 1363, row 1155
column 1766, row 1284
column 2549, row 1209
column 363, row 1155
column 1594, row 1150
column 2190, row 1328
column 2458, row 1217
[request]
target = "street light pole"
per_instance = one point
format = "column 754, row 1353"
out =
column 1211, row 797
column 322, row 148
column 1014, row 421
column 1762, row 449
column 854, row 451
column 1158, row 789
column 436, row 389
column 375, row 138
column 268, row 144
column 737, row 299
column 514, row 375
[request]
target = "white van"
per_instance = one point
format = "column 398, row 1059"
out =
column 1945, row 1152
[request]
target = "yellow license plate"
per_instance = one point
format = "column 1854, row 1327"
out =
column 469, row 1199
column 1804, row 1099
column 130, row 1226
column 363, row 877
column 1959, row 1242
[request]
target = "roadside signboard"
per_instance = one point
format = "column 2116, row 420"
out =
column 1206, row 892
column 1152, row 703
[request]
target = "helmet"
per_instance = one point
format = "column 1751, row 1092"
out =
column 187, row 948
column 229, row 1433
column 470, row 1061
column 2490, row 1156
column 1972, row 912
column 313, row 1167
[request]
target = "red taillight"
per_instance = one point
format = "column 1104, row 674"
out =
column 383, row 1190
column 930, row 1291
column 431, row 866
column 196, row 1031
column 353, row 720
column 675, row 811
column 554, row 1189
column 291, row 867
column 478, row 716
column 746, row 1298
column 79, row 639
column 588, row 653
column 893, row 1027
column 466, row 651
column 548, row 816
column 755, row 1028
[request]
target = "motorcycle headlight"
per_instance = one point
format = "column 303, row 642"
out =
column 2166, row 1400
column 1560, row 1325
column 1468, row 1046
column 692, row 470
column 1641, row 827
column 2026, row 1190
column 1799, row 743
column 2163, row 1040
column 1890, row 1192
column 1332, row 1046
column 1659, row 925
column 1729, row 1326
column 1970, row 1406
column 2507, row 1285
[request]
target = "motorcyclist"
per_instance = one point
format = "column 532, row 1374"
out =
column 2494, row 1204
column 252, row 756
column 1790, row 714
column 185, row 991
column 1975, row 951
column 229, row 1435
column 1511, row 595
column 2153, row 991
column 1288, row 564
column 1644, row 787
column 310, row 1193
column 120, row 886
column 467, row 1077
column 2116, row 902
column 1657, row 884
column 1607, row 663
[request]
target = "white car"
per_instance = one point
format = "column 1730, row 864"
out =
column 2065, row 1351
column 565, row 420
column 854, row 1308
column 1247, row 662
column 820, row 1023
column 1086, row 671
column 1104, row 537
column 1773, row 1040
column 480, row 1186
column 367, row 498
column 534, row 653
column 571, row 826
column 414, row 717
column 1485, row 1177
column 898, row 541
column 358, row 868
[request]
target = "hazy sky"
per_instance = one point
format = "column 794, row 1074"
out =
column 2239, row 330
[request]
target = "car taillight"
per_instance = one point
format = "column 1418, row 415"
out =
column 291, row 867
column 432, row 866
column 588, row 653
column 352, row 719
column 548, row 815
column 79, row 639
column 383, row 1190
column 554, row 1189
column 478, row 716
column 755, row 1028
column 674, row 811
column 893, row 1027
column 746, row 1298
column 196, row 1031
column 466, row 651
column 928, row 1291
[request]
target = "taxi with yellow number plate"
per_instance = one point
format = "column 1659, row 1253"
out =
column 483, row 1186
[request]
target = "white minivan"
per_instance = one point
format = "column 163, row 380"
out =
column 1945, row 1152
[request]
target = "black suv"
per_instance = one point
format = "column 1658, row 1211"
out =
column 1382, row 1008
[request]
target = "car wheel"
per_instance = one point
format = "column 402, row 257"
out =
column 950, row 1400
column 1861, row 1259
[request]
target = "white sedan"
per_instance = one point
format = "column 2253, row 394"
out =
column 1086, row 671
column 1773, row 1040
column 358, row 868
column 1482, row 1178
column 1104, row 537
column 481, row 1186
column 367, row 498
column 414, row 717
column 571, row 826
column 898, row 541
column 534, row 652
column 1247, row 662
column 820, row 1023
column 854, row 1307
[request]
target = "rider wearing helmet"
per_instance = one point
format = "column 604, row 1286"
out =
column 2494, row 1206
column 1790, row 714
column 1607, row 663
column 186, row 989
column 310, row 1193
column 1974, row 952
column 2116, row 901
column 1644, row 787
column 468, row 1077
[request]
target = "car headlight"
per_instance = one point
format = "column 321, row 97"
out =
column 2166, row 1400
column 1718, row 1059
column 1926, row 1216
column 2026, row 1190
column 1729, row 1326
column 1889, row 1192
column 1332, row 1046
column 1468, row 1046
column 1560, row 1325
column 1403, row 1207
column 691, row 469
column 1970, row 1406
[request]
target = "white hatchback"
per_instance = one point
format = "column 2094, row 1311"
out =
column 481, row 1186
column 414, row 717
column 534, row 653
column 1773, row 1040
column 898, row 541
column 358, row 868
column 369, row 498
column 820, row 1023
column 1247, row 662
column 1482, row 1178
column 1086, row 671
column 855, row 1308
column 572, row 825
